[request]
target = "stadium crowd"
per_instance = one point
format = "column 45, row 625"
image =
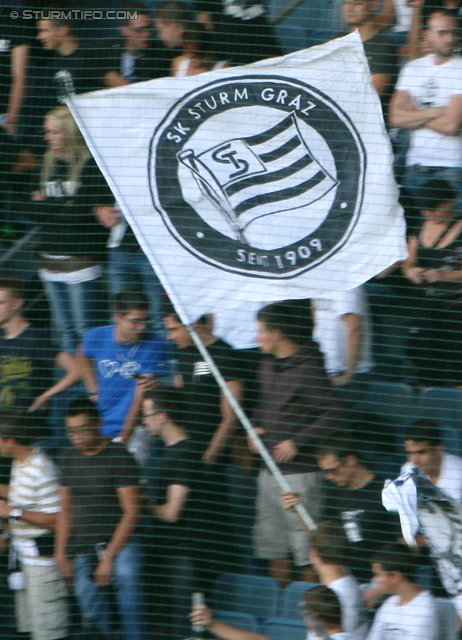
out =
column 127, row 482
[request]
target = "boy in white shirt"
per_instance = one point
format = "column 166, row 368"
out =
column 323, row 615
column 328, row 554
column 411, row 612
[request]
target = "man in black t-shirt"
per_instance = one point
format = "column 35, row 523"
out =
column 27, row 359
column 354, row 500
column 176, row 473
column 356, row 503
column 208, row 416
column 96, row 545
column 73, row 68
column 176, row 540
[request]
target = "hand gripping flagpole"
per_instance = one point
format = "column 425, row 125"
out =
column 262, row 450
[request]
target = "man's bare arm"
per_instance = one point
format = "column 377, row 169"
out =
column 405, row 114
column 202, row 616
column 36, row 518
column 415, row 32
column 130, row 502
column 63, row 534
column 87, row 373
column 67, row 362
column 227, row 425
column 450, row 122
column 354, row 337
column 382, row 82
column 171, row 510
column 19, row 66
column 146, row 381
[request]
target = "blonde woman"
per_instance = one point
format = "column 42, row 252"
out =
column 72, row 243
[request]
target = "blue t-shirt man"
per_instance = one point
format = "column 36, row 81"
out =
column 117, row 364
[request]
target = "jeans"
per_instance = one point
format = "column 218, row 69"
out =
column 74, row 308
column 414, row 180
column 95, row 602
column 127, row 269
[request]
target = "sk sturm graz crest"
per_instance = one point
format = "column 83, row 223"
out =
column 258, row 175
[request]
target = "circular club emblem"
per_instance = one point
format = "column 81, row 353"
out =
column 258, row 175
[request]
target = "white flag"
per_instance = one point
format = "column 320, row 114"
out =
column 263, row 182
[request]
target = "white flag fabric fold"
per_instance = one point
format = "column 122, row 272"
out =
column 256, row 183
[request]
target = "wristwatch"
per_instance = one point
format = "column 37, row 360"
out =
column 16, row 513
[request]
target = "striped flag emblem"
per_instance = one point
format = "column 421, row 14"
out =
column 264, row 174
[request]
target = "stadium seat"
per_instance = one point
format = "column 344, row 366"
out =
column 282, row 629
column 290, row 599
column 448, row 620
column 444, row 405
column 240, row 620
column 395, row 404
column 394, row 401
column 254, row 595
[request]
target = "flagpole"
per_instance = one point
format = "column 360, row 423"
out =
column 262, row 450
